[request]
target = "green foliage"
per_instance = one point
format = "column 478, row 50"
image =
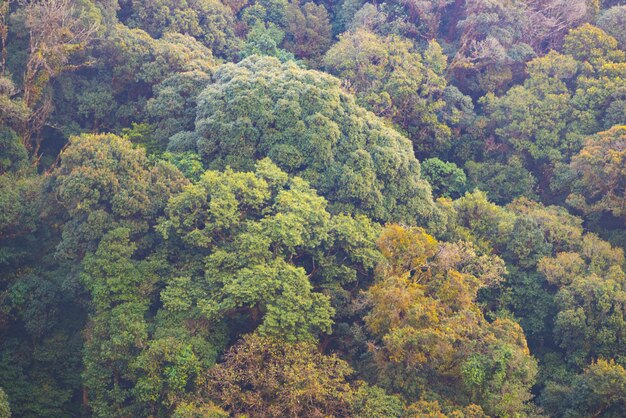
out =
column 392, row 79
column 173, row 107
column 598, row 391
column 20, row 206
column 120, row 290
column 533, row 119
column 134, row 282
column 309, row 127
column 446, row 178
column 308, row 31
column 209, row 21
column 265, row 39
column 590, row 321
column 113, row 94
column 189, row 163
column 13, row 155
column 103, row 182
column 613, row 22
column 14, row 111
column 592, row 47
column 502, row 182
column 5, row 410
column 249, row 228
column 600, row 168
column 373, row 402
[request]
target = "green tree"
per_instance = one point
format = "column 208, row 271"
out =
column 14, row 111
column 590, row 322
column 120, row 290
column 265, row 39
column 599, row 391
column 502, row 182
column 173, row 106
column 600, row 168
column 308, row 31
column 209, row 21
column 393, row 79
column 613, row 21
column 304, row 122
column 58, row 30
column 373, row 402
column 592, row 47
column 267, row 246
column 534, row 119
column 5, row 410
column 114, row 94
column 446, row 178
column 13, row 154
column 104, row 183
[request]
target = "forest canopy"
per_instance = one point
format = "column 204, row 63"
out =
column 284, row 208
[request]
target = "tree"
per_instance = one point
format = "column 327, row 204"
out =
column 431, row 338
column 308, row 31
column 391, row 78
column 57, row 30
column 591, row 322
column 592, row 47
column 13, row 154
column 599, row 391
column 502, row 182
column 5, row 410
column 104, row 183
column 533, row 119
column 265, row 39
column 373, row 402
column 600, row 186
column 536, row 122
column 131, row 67
column 304, row 122
column 263, row 376
column 612, row 21
column 269, row 246
column 433, row 409
column 209, row 21
column 173, row 107
column 14, row 111
column 117, row 330
column 446, row 178
column 495, row 37
column 4, row 34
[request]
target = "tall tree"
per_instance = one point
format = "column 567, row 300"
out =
column 57, row 30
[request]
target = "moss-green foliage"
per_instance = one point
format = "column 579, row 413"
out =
column 502, row 182
column 102, row 183
column 209, row 21
column 114, row 92
column 304, row 122
column 600, row 387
